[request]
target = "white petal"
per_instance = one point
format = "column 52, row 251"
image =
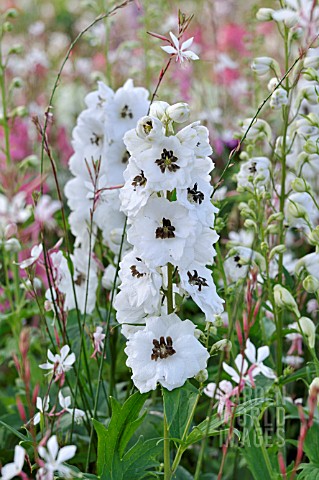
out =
column 169, row 49
column 175, row 40
column 191, row 55
column 187, row 43
column 51, row 356
column 262, row 353
column 64, row 352
column 36, row 418
column 66, row 453
column 19, row 453
column 250, row 351
column 53, row 447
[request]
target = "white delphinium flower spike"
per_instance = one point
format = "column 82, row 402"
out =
column 180, row 51
column 166, row 351
column 257, row 358
column 13, row 469
column 59, row 364
column 53, row 459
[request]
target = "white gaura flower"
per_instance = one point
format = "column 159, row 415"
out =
column 223, row 394
column 199, row 284
column 257, row 358
column 166, row 351
column 34, row 257
column 167, row 228
column 240, row 374
column 45, row 209
column 12, row 470
column 254, row 174
column 13, row 210
column 180, row 51
column 54, row 459
column 65, row 403
column 98, row 339
column 59, row 363
column 42, row 406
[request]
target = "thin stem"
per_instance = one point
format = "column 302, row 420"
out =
column 4, row 105
column 167, row 460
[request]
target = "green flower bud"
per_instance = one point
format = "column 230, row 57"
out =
column 300, row 185
column 201, row 376
column 308, row 329
column 279, row 249
column 284, row 299
column 311, row 284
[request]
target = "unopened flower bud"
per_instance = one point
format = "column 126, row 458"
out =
column 16, row 49
column 179, row 112
column 314, row 236
column 279, row 249
column 157, row 109
column 314, row 388
column 311, row 284
column 300, row 185
column 10, row 230
column 11, row 13
column 311, row 74
column 308, row 329
column 272, row 84
column 284, row 299
column 47, row 306
column 312, row 61
column 310, row 147
column 12, row 245
column 278, row 99
column 202, row 376
column 264, row 14
column 262, row 65
column 224, row 344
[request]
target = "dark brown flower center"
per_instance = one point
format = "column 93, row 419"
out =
column 162, row 348
column 126, row 112
column 148, row 127
column 80, row 278
column 237, row 260
column 140, row 180
column 167, row 161
column 136, row 273
column 166, row 231
column 126, row 157
column 196, row 195
column 95, row 139
column 195, row 279
column 253, row 168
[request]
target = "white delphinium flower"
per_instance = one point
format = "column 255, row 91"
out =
column 34, row 257
column 65, row 403
column 42, row 406
column 149, row 130
column 167, row 229
column 257, row 358
column 278, row 99
column 196, row 197
column 13, row 469
column 54, row 459
column 259, row 130
column 166, row 351
column 127, row 106
column 59, row 363
column 242, row 237
column 238, row 261
column 180, row 51
column 199, row 284
column 98, row 101
column 301, row 211
column 254, row 174
column 304, row 13
column 310, row 263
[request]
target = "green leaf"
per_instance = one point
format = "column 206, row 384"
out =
column 256, row 455
column 140, row 458
column 182, row 474
column 14, row 431
column 309, row 471
column 178, row 405
column 311, row 445
column 112, row 461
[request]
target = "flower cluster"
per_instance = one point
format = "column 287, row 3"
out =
column 166, row 197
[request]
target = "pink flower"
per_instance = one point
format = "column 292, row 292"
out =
column 223, row 394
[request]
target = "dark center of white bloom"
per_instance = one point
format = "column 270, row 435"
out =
column 167, row 161
column 237, row 261
column 95, row 139
column 195, row 279
column 126, row 112
column 126, row 157
column 194, row 195
column 148, row 127
column 162, row 349
column 166, row 231
column 101, row 101
column 253, row 168
column 135, row 272
column 80, row 278
column 139, row 181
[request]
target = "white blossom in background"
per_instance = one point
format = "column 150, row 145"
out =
column 180, row 51
column 254, row 174
column 65, row 403
column 13, row 469
column 35, row 254
column 54, row 459
column 59, row 364
column 256, row 357
column 42, row 406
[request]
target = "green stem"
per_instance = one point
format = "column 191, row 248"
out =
column 4, row 108
column 167, row 460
